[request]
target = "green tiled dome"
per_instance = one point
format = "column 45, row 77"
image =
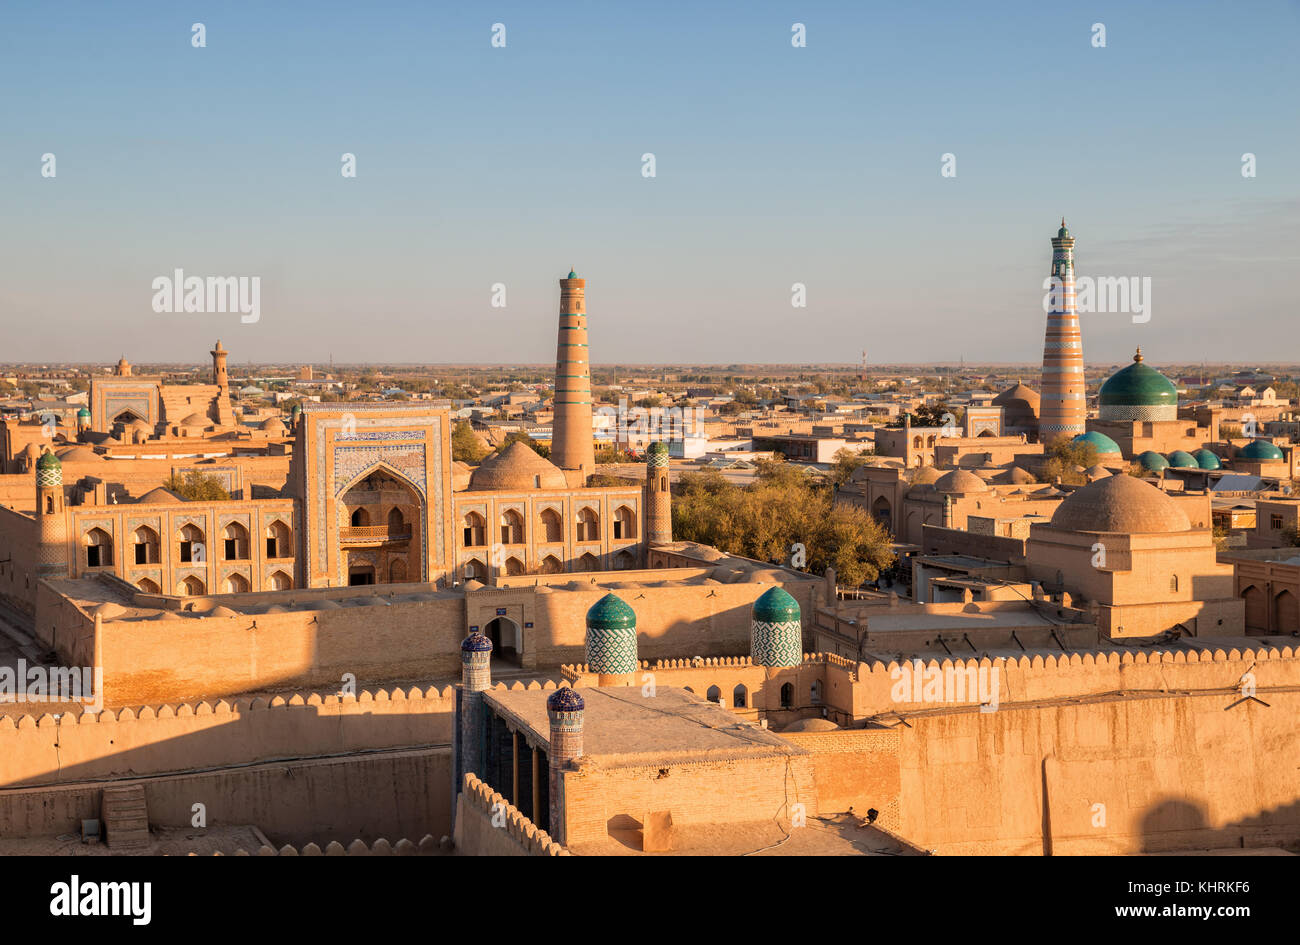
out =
column 1180, row 459
column 83, row 413
column 1101, row 441
column 1153, row 461
column 776, row 606
column 48, row 461
column 1138, row 386
column 611, row 612
column 1206, row 459
column 1261, row 451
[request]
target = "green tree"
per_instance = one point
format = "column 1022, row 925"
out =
column 194, row 486
column 465, row 446
column 846, row 461
column 783, row 507
column 1063, row 456
column 521, row 437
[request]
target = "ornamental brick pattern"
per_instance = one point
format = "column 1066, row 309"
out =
column 1063, row 409
column 776, row 644
column 571, row 437
column 611, row 651
column 658, row 497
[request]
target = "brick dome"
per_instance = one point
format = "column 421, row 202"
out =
column 960, row 481
column 1119, row 504
column 516, row 468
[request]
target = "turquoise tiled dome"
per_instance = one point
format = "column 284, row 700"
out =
column 1256, row 450
column 48, row 461
column 1101, row 441
column 1180, row 459
column 83, row 413
column 1138, row 392
column 776, row 604
column 1207, row 459
column 611, row 637
column 776, row 631
column 1153, row 461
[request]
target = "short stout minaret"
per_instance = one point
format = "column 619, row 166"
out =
column 51, row 520
column 565, row 709
column 475, row 679
column 1063, row 408
column 658, row 498
column 776, row 630
column 572, row 447
column 611, row 641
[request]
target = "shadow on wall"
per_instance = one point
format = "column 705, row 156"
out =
column 138, row 742
column 1179, row 824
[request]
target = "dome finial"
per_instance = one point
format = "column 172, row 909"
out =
column 1138, row 356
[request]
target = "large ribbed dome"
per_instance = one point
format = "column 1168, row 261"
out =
column 1119, row 504
column 515, row 468
column 1138, row 392
column 959, row 480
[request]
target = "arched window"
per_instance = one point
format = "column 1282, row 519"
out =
column 552, row 565
column 236, row 584
column 99, row 549
column 396, row 570
column 193, row 548
column 815, row 692
column 624, row 524
column 929, row 440
column 192, row 587
column 714, row 694
column 787, row 696
column 49, row 503
column 514, row 566
column 588, row 525
column 281, row 581
column 589, row 562
column 235, row 545
column 512, row 528
column 474, row 533
column 624, row 561
column 396, row 522
column 474, row 570
column 360, row 518
column 552, row 527
column 148, row 586
column 916, row 442
column 146, row 545
column 1173, row 583
column 278, row 543
column 739, row 697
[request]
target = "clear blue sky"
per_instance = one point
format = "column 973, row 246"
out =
column 775, row 165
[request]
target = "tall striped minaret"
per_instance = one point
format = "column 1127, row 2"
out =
column 571, row 434
column 1063, row 409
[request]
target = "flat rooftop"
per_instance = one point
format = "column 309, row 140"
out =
column 623, row 728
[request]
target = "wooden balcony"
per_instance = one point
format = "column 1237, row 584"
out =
column 372, row 535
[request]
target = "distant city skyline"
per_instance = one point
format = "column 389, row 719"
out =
column 775, row 165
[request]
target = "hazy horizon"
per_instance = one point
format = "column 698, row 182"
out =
column 774, row 165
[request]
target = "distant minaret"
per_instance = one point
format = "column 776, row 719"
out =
column 51, row 520
column 658, row 498
column 571, row 435
column 1063, row 409
column 219, row 374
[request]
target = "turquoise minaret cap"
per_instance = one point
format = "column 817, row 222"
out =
column 775, row 630
column 775, row 605
column 48, row 461
column 572, row 274
column 611, row 637
column 611, row 612
column 83, row 413
column 1062, row 233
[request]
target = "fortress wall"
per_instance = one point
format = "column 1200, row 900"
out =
column 394, row 794
column 1176, row 772
column 512, row 834
column 149, row 740
column 188, row 657
column 741, row 790
column 1043, row 678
